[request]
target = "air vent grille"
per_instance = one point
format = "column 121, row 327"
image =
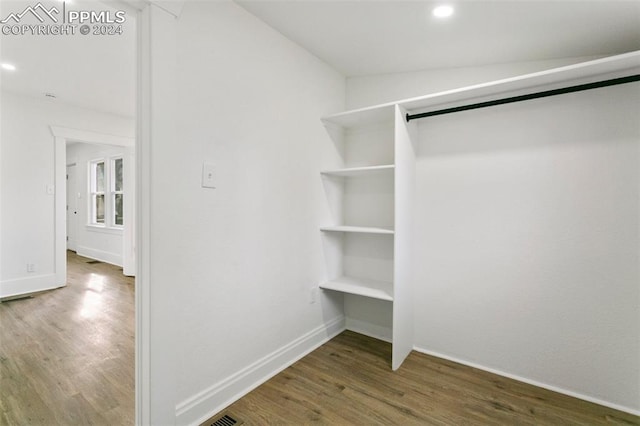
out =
column 225, row 420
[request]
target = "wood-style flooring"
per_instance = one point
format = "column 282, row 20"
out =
column 67, row 355
column 348, row 381
column 67, row 358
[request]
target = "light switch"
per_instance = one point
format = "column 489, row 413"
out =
column 208, row 175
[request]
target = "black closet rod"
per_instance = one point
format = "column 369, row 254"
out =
column 546, row 93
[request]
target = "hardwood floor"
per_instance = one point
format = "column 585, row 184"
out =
column 348, row 381
column 67, row 355
column 67, row 358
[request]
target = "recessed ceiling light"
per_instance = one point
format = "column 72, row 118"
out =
column 8, row 67
column 442, row 11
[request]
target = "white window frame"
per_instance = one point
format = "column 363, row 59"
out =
column 94, row 193
column 109, row 193
column 112, row 189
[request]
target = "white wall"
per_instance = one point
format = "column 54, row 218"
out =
column 529, row 220
column 26, row 169
column 528, row 236
column 232, row 267
column 370, row 90
column 102, row 244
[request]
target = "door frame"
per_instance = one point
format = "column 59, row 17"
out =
column 145, row 45
column 60, row 136
column 72, row 163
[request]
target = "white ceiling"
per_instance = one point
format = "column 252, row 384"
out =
column 357, row 37
column 91, row 71
column 374, row 37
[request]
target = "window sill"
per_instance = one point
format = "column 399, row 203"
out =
column 105, row 229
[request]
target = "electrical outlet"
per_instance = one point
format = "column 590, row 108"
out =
column 31, row 267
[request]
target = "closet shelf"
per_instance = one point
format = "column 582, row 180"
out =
column 585, row 72
column 362, row 287
column 360, row 171
column 360, row 229
column 361, row 117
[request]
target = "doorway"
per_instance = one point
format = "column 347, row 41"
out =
column 100, row 197
column 87, row 97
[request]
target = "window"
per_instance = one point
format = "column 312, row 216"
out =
column 116, row 191
column 96, row 190
column 106, row 197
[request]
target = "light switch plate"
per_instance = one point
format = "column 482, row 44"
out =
column 208, row 175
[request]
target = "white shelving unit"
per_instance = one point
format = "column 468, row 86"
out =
column 363, row 247
column 370, row 193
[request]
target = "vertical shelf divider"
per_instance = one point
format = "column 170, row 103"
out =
column 405, row 160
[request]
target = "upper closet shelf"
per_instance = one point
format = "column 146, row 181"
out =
column 585, row 72
column 360, row 171
column 362, row 117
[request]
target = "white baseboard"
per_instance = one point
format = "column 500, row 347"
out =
column 212, row 400
column 28, row 285
column 531, row 382
column 71, row 245
column 372, row 330
column 102, row 256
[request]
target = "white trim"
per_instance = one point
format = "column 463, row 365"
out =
column 60, row 211
column 143, row 213
column 198, row 408
column 71, row 244
column 26, row 285
column 111, row 230
column 88, row 136
column 372, row 330
column 112, row 188
column 101, row 255
column 531, row 382
column 129, row 229
column 141, row 216
column 92, row 191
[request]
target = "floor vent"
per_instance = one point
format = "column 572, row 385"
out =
column 225, row 420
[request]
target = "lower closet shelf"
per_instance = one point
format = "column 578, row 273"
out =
column 362, row 287
column 360, row 229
